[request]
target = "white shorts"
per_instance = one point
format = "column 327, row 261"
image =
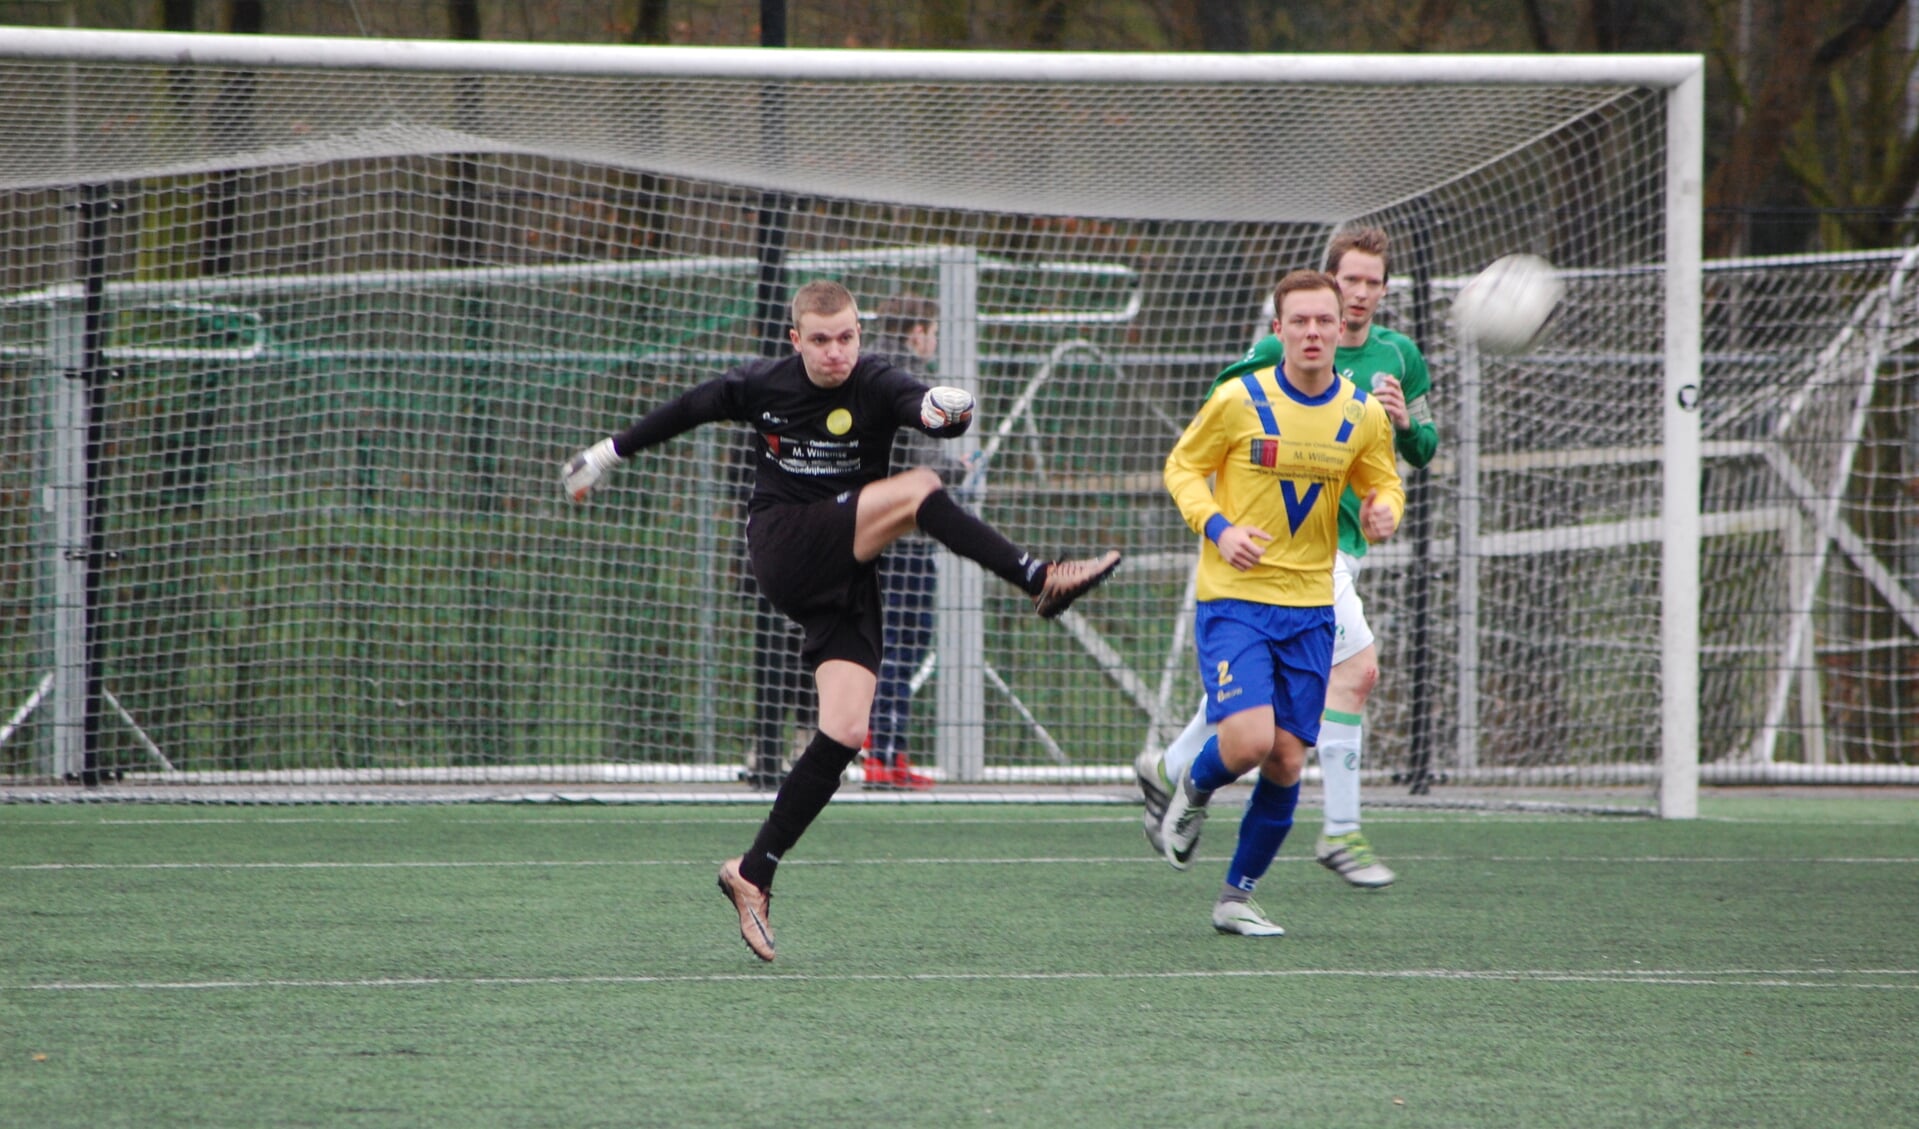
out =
column 1351, row 633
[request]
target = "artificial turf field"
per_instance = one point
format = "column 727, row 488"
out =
column 942, row 964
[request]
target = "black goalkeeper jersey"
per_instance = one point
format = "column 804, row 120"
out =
column 814, row 443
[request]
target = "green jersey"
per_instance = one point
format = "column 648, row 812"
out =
column 1385, row 351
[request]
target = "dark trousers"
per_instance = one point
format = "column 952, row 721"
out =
column 909, row 577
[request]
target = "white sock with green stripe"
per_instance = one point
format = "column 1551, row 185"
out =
column 1179, row 755
column 1339, row 748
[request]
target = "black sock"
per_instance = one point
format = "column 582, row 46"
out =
column 941, row 518
column 814, row 779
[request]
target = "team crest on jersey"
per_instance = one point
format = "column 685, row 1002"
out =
column 1265, row 452
column 839, row 421
column 1354, row 411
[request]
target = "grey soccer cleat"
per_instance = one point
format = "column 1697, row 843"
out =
column 1179, row 828
column 1067, row 581
column 1149, row 770
column 1351, row 857
column 1244, row 918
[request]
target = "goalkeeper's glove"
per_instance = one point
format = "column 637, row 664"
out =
column 945, row 406
column 583, row 471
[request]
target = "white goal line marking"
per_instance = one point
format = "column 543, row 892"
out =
column 598, row 817
column 1826, row 978
column 1050, row 860
column 209, row 820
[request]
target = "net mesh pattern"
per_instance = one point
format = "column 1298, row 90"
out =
column 307, row 348
column 1123, row 150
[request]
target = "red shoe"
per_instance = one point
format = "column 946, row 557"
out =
column 879, row 774
column 895, row 777
column 905, row 777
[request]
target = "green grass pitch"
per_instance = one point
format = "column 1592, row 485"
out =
column 541, row 965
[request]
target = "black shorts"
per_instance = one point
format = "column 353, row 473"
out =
column 803, row 562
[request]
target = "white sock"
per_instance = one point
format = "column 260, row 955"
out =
column 1179, row 755
column 1339, row 745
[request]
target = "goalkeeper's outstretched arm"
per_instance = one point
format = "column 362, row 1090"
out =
column 704, row 404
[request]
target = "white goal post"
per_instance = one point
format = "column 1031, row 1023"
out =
column 298, row 330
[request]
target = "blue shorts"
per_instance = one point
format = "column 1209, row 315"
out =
column 1253, row 655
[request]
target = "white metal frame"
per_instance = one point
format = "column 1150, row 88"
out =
column 1680, row 76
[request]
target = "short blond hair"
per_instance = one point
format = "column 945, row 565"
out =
column 821, row 296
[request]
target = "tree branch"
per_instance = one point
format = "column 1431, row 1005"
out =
column 1536, row 25
column 1760, row 139
column 1871, row 22
column 1429, row 22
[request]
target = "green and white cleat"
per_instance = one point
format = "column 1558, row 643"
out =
column 1351, row 857
column 1245, row 919
column 1179, row 828
column 1149, row 768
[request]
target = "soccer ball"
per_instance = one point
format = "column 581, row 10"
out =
column 1505, row 306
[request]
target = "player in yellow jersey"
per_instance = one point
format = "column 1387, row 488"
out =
column 1280, row 445
column 1387, row 366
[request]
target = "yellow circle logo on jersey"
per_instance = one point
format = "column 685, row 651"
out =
column 1355, row 411
column 840, row 421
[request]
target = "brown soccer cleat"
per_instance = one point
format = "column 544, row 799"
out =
column 1067, row 581
column 755, row 906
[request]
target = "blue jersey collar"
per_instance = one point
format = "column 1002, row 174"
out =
column 1298, row 397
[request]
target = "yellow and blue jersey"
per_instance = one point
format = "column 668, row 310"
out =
column 1385, row 353
column 1280, row 460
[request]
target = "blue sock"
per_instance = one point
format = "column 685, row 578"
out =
column 1209, row 772
column 1269, row 816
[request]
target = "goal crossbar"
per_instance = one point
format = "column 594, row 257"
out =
column 841, row 65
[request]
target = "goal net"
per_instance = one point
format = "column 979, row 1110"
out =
column 1810, row 609
column 297, row 333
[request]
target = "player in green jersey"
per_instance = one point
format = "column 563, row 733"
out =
column 1388, row 365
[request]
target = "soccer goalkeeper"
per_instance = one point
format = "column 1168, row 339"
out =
column 821, row 512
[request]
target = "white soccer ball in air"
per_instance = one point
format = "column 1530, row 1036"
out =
column 1505, row 306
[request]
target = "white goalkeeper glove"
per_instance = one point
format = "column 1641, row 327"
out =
column 583, row 471
column 945, row 406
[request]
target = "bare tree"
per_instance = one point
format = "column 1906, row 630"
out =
column 246, row 17
column 1785, row 99
column 463, row 19
column 649, row 22
column 1856, row 152
column 1429, row 24
column 1537, row 28
column 1048, row 24
column 944, row 24
column 1222, row 27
